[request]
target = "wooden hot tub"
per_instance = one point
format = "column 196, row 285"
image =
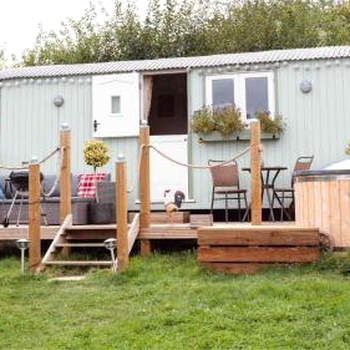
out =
column 322, row 199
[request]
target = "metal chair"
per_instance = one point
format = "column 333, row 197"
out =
column 282, row 194
column 226, row 185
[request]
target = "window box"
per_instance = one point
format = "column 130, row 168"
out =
column 242, row 136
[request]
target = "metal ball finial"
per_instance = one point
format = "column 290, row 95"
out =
column 34, row 160
column 65, row 126
column 120, row 158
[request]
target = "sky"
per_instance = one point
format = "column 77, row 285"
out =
column 20, row 19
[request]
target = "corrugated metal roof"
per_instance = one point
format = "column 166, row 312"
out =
column 331, row 52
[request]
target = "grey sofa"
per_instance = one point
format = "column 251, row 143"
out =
column 50, row 205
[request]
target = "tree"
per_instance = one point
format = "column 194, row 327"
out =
column 193, row 27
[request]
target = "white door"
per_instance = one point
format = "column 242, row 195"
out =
column 165, row 174
column 115, row 105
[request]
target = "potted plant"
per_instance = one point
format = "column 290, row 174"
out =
column 347, row 149
column 220, row 124
column 225, row 124
column 272, row 126
column 96, row 155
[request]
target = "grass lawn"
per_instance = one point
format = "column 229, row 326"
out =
column 166, row 302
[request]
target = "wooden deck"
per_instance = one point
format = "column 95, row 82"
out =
column 156, row 231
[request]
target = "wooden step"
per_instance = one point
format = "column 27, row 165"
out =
column 79, row 263
column 91, row 227
column 179, row 217
column 175, row 231
column 80, row 245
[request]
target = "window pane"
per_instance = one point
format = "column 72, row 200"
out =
column 115, row 107
column 256, row 96
column 223, row 92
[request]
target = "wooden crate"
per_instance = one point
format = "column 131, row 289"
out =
column 244, row 250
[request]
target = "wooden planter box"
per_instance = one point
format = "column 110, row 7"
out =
column 246, row 249
column 241, row 136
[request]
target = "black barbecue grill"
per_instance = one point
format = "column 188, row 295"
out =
column 19, row 184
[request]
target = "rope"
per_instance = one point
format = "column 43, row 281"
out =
column 58, row 174
column 133, row 186
column 24, row 167
column 194, row 166
column 6, row 167
column 49, row 155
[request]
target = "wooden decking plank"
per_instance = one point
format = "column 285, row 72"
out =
column 234, row 268
column 258, row 254
column 268, row 237
column 288, row 227
column 79, row 263
column 82, row 245
column 162, row 218
column 184, row 231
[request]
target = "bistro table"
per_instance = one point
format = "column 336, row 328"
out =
column 269, row 176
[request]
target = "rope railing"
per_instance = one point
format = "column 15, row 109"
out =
column 192, row 166
column 195, row 166
column 58, row 174
column 24, row 167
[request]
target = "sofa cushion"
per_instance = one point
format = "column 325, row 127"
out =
column 75, row 182
column 87, row 184
column 48, row 183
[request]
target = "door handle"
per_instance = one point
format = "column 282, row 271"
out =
column 96, row 124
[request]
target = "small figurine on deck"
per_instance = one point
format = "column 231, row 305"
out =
column 172, row 202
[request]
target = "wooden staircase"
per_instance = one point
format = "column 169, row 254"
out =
column 69, row 237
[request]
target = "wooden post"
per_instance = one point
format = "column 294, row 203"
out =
column 121, row 213
column 34, row 215
column 255, row 164
column 65, row 177
column 144, row 181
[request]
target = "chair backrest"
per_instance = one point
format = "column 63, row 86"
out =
column 224, row 175
column 302, row 163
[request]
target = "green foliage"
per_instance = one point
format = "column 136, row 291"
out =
column 269, row 125
column 96, row 154
column 347, row 149
column 226, row 120
column 192, row 27
column 167, row 302
column 202, row 121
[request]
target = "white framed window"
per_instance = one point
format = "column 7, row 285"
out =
column 116, row 105
column 250, row 92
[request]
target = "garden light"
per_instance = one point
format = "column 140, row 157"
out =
column 22, row 244
column 111, row 244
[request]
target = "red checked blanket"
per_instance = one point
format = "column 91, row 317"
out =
column 87, row 184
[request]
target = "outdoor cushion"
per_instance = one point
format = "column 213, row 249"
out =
column 87, row 184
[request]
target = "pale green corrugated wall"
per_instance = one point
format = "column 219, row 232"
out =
column 30, row 124
column 317, row 123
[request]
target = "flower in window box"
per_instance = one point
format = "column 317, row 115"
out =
column 270, row 125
